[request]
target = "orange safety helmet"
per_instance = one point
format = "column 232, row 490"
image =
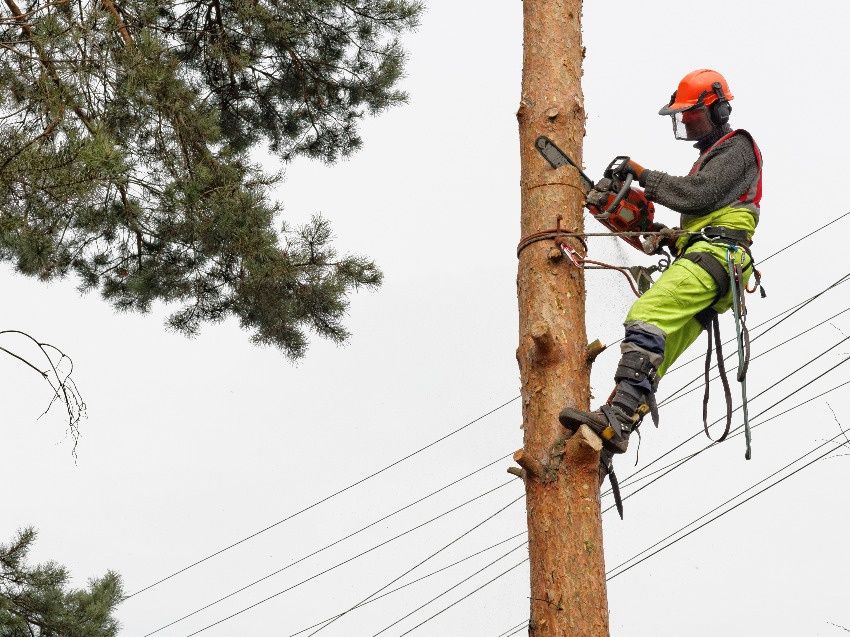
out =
column 702, row 87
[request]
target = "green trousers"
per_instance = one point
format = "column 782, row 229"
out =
column 681, row 292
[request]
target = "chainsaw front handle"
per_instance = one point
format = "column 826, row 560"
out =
column 624, row 190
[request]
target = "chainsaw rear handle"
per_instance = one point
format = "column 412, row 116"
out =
column 618, row 168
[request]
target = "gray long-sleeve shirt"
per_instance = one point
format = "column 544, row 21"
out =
column 728, row 171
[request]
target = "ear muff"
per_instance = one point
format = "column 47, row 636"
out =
column 720, row 112
column 721, row 108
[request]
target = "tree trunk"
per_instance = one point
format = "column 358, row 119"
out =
column 568, row 595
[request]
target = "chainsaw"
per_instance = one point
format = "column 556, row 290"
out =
column 612, row 200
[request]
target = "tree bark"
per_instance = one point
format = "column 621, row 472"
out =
column 568, row 596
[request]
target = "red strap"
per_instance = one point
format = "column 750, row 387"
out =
column 756, row 152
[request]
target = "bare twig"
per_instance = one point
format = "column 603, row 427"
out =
column 840, row 427
column 58, row 375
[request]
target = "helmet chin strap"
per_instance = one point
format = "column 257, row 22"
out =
column 716, row 133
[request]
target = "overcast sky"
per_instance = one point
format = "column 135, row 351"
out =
column 193, row 444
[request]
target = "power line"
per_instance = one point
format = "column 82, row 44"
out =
column 720, row 515
column 327, row 546
column 676, row 395
column 418, row 564
column 387, row 467
column 465, row 597
column 784, row 378
column 737, row 429
column 803, row 238
column 449, row 589
column 682, row 462
column 412, row 582
column 420, row 450
column 516, row 628
column 721, row 505
column 617, row 572
column 521, row 626
column 289, row 588
column 321, row 501
column 788, row 311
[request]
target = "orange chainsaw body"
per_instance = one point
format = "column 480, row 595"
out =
column 634, row 212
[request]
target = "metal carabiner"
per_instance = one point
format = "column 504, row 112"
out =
column 571, row 254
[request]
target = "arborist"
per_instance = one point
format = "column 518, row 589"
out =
column 719, row 205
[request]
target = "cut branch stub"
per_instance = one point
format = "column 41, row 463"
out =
column 594, row 349
column 582, row 449
column 543, row 340
column 532, row 467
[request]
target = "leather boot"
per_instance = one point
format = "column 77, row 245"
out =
column 616, row 420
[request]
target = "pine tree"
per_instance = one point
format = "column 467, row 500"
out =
column 125, row 139
column 35, row 600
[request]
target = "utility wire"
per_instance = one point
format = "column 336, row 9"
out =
column 682, row 462
column 513, row 630
column 289, row 588
column 335, row 566
column 804, row 237
column 788, row 311
column 321, row 501
column 420, row 450
column 720, row 515
column 465, row 597
column 703, row 525
column 449, row 589
column 418, row 564
column 614, row 571
column 698, row 433
column 676, row 395
column 327, row 546
column 738, row 429
column 415, row 581
column 619, row 570
column 518, row 630
column 332, row 544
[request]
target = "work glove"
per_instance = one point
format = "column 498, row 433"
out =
column 653, row 243
column 628, row 167
column 634, row 168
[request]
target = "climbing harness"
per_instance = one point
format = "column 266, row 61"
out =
column 729, row 278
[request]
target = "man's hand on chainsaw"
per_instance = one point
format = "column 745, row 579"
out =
column 634, row 168
column 662, row 236
column 630, row 167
